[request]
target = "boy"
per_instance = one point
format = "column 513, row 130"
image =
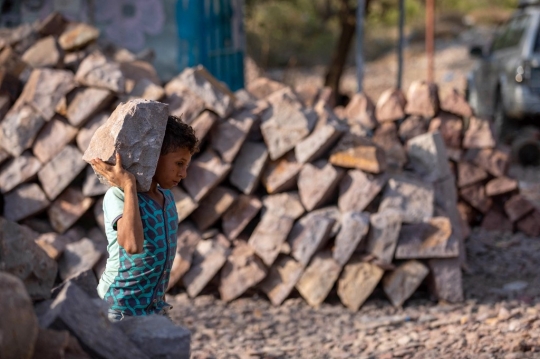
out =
column 141, row 228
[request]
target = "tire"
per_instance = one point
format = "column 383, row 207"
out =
column 501, row 122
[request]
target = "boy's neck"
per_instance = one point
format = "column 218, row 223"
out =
column 153, row 188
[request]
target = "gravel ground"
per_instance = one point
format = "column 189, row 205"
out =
column 499, row 318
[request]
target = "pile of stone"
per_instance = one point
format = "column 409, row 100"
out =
column 286, row 193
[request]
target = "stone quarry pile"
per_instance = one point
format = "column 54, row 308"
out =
column 287, row 193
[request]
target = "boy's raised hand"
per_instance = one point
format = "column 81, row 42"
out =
column 116, row 175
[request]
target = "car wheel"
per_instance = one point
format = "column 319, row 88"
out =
column 500, row 120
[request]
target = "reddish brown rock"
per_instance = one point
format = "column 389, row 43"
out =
column 530, row 224
column 358, row 189
column 85, row 102
column 19, row 129
column 87, row 131
column 135, row 130
column 479, row 134
column 11, row 61
column 412, row 127
column 412, row 198
column 22, row 257
column 242, row 270
column 24, row 201
column 391, row 106
column 469, row 174
column 431, row 239
column 357, row 282
column 212, row 207
column 383, row 236
column 501, row 185
column 455, row 103
column 386, row 137
column 238, row 216
column 317, row 183
column 353, row 151
column 476, row 196
column 450, row 127
column 517, row 207
column 281, row 175
column 401, row 283
column 216, row 96
column 423, row 99
column 208, row 258
column 57, row 174
column 361, row 110
column 354, row 227
column 495, row 161
column 188, row 239
column 53, row 137
column 19, row 324
column 248, row 167
column 281, row 279
column 44, row 53
column 318, row 278
column 229, row 136
column 68, row 208
column 205, row 173
column 445, row 279
column 185, row 205
column 78, row 36
column 98, row 71
column 203, row 124
column 17, row 171
column 495, row 220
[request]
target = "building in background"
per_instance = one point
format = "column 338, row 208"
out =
column 182, row 33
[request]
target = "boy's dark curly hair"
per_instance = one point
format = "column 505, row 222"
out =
column 179, row 135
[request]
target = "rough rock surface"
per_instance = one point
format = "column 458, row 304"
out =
column 135, row 130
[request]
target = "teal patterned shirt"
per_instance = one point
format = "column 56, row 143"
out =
column 135, row 284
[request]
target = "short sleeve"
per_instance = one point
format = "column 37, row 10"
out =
column 113, row 206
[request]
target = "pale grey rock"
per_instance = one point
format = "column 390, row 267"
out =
column 361, row 111
column 281, row 279
column 281, row 175
column 68, row 208
column 412, row 198
column 248, row 167
column 157, row 336
column 203, row 124
column 52, row 138
column 317, row 143
column 185, row 205
column 44, row 53
column 358, row 189
column 229, row 135
column 216, row 96
column 77, row 36
column 384, row 234
column 423, row 99
column 86, row 102
column 183, row 102
column 22, row 257
column 401, row 283
column 318, row 279
column 446, row 279
column 238, row 216
column 213, row 206
column 24, row 201
column 78, row 257
column 19, row 129
column 188, row 239
column 354, row 227
column 98, row 71
column 309, row 235
column 205, row 173
column 317, row 183
column 56, row 175
column 285, row 124
column 135, row 130
column 17, row 171
column 428, row 158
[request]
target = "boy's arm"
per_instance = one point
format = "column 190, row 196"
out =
column 129, row 227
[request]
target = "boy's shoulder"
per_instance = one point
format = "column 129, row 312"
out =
column 114, row 193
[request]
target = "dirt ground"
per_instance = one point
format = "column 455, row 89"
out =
column 499, row 319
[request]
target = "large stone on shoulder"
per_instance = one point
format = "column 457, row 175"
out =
column 135, row 130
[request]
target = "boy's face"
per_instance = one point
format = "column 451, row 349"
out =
column 172, row 168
